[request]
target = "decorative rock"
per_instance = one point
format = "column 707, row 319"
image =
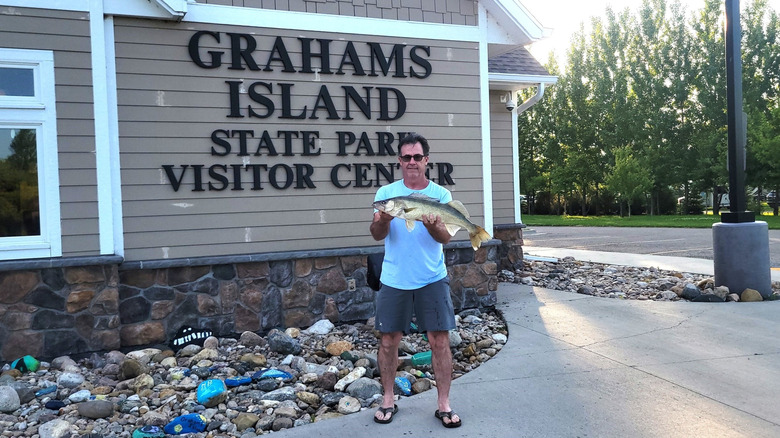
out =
column 149, row 431
column 189, row 423
column 26, row 364
column 421, row 385
column 309, row 398
column 9, row 399
column 272, row 374
column 348, row 405
column 281, row 343
column 211, row 343
column 721, row 291
column 500, row 338
column 281, row 423
column 96, row 409
column 254, row 360
column 690, row 291
column 750, row 295
column 54, row 405
column 353, row 375
column 70, row 380
column 47, row 390
column 55, row 429
column 281, row 394
column 23, row 390
column 130, row 369
column 364, row 388
column 338, row 347
column 402, row 386
column 245, row 420
column 455, row 338
column 232, row 382
column 321, row 327
column 212, row 392
column 79, row 396
column 732, row 298
column 708, row 298
column 251, row 339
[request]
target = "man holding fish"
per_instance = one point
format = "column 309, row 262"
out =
column 414, row 275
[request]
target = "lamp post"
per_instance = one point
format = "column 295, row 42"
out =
column 740, row 244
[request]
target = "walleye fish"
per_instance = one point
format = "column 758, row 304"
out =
column 453, row 214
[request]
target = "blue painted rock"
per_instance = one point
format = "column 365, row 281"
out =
column 272, row 374
column 403, row 385
column 212, row 392
column 149, row 431
column 232, row 382
column 190, row 423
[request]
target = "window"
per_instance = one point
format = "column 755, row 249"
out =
column 29, row 172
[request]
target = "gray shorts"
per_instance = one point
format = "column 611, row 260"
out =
column 431, row 304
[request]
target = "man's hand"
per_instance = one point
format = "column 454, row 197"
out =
column 380, row 226
column 435, row 226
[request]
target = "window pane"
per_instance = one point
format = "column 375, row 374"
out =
column 16, row 82
column 19, row 211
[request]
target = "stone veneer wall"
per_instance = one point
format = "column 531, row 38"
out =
column 52, row 311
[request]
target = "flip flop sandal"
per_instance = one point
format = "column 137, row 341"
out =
column 384, row 412
column 442, row 415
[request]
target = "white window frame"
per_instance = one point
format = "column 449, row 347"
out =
column 36, row 112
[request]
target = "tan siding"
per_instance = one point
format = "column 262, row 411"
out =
column 430, row 11
column 67, row 34
column 168, row 108
column 501, row 156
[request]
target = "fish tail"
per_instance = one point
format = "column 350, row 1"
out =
column 478, row 237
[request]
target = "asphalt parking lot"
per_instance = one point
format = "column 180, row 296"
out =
column 676, row 242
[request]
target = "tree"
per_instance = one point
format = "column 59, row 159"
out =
column 628, row 178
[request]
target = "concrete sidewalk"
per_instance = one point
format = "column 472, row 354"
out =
column 682, row 264
column 582, row 366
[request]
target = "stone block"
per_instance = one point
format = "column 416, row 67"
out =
column 251, row 293
column 79, row 300
column 161, row 309
column 16, row 285
column 246, row 320
column 17, row 320
column 224, row 272
column 186, row 274
column 325, row 262
column 253, row 270
column 159, row 293
column 271, row 312
column 54, row 278
column 21, row 343
column 228, row 295
column 49, row 319
column 142, row 334
column 207, row 306
column 59, row 341
column 133, row 310
column 281, row 273
column 303, row 267
column 141, row 278
column 331, row 282
column 299, row 318
column 105, row 340
column 351, row 264
column 44, row 297
column 85, row 274
column 298, row 296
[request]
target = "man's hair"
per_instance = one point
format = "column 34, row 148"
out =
column 412, row 138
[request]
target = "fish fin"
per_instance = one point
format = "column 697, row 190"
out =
column 457, row 205
column 452, row 228
column 478, row 237
column 409, row 224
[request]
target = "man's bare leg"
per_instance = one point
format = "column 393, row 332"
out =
column 442, row 368
column 388, row 364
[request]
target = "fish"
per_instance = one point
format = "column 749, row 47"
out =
column 453, row 214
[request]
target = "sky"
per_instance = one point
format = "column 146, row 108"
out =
column 564, row 18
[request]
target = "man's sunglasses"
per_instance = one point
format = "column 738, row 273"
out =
column 408, row 158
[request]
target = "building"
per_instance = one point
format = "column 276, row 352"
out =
column 212, row 163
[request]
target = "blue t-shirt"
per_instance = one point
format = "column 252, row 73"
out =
column 413, row 259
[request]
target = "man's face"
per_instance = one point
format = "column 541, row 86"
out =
column 412, row 169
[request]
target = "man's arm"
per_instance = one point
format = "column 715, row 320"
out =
column 380, row 227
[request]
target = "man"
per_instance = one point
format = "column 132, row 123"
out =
column 414, row 278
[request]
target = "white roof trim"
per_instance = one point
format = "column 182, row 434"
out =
column 512, row 82
column 511, row 15
column 176, row 8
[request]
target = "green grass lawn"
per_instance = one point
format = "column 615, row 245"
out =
column 672, row 221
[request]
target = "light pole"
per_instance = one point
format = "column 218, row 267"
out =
column 740, row 244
